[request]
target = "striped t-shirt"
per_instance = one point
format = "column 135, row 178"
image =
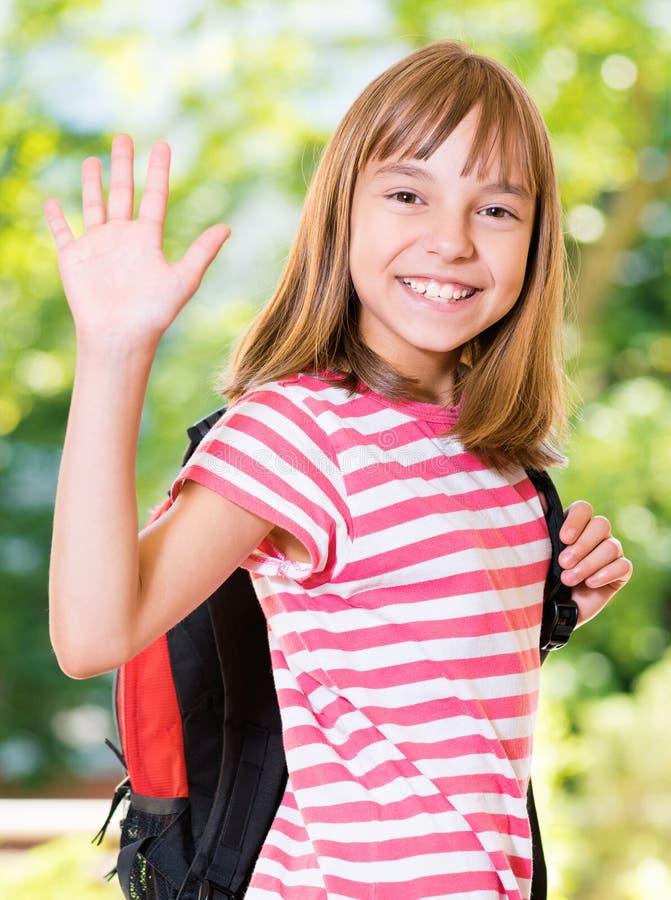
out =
column 405, row 652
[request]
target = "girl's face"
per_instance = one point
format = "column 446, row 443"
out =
column 436, row 257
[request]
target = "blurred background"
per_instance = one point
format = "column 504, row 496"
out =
column 247, row 94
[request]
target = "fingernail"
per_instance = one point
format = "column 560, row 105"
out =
column 568, row 535
column 566, row 559
column 571, row 577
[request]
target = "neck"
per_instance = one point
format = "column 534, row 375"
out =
column 438, row 382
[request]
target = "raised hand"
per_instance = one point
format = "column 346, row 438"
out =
column 593, row 562
column 117, row 280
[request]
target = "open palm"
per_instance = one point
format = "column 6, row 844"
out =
column 116, row 278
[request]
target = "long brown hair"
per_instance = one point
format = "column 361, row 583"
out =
column 513, row 388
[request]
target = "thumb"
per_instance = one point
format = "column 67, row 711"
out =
column 192, row 266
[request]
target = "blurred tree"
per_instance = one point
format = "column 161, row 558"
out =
column 247, row 94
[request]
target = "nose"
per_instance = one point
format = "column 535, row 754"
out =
column 448, row 235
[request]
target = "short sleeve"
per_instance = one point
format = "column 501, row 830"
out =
column 269, row 455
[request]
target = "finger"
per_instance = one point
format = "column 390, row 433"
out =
column 616, row 573
column 155, row 195
column 594, row 533
column 200, row 254
column 93, row 202
column 120, row 199
column 58, row 226
column 576, row 519
column 606, row 552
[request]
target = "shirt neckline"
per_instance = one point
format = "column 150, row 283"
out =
column 436, row 413
column 427, row 412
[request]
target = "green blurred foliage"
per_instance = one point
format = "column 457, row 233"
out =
column 247, row 94
column 61, row 869
column 603, row 788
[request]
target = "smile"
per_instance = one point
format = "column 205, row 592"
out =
column 441, row 293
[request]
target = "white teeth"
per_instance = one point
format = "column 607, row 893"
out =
column 435, row 291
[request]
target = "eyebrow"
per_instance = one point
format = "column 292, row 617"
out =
column 400, row 168
column 498, row 187
column 508, row 187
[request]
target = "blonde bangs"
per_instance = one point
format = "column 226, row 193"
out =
column 416, row 123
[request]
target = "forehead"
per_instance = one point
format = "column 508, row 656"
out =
column 499, row 145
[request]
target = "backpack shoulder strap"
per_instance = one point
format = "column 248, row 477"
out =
column 560, row 613
column 198, row 430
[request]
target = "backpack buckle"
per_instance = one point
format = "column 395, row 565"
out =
column 558, row 626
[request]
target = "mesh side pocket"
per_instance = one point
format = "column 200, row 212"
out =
column 156, row 880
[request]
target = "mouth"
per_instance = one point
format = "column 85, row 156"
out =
column 440, row 292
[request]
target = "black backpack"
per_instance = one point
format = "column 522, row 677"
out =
column 202, row 739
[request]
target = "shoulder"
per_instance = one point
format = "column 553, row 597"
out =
column 301, row 390
column 294, row 418
column 305, row 401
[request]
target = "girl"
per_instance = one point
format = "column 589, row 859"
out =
column 369, row 473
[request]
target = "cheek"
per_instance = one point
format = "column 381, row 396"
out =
column 514, row 266
column 365, row 254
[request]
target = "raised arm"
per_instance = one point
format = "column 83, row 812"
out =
column 123, row 295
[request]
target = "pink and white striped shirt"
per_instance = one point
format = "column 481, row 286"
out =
column 405, row 652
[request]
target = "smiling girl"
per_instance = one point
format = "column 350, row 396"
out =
column 370, row 473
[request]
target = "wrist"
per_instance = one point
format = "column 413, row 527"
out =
column 112, row 372
column 120, row 349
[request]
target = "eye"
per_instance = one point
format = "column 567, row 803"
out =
column 405, row 197
column 497, row 212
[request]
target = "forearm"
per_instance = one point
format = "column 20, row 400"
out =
column 94, row 574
